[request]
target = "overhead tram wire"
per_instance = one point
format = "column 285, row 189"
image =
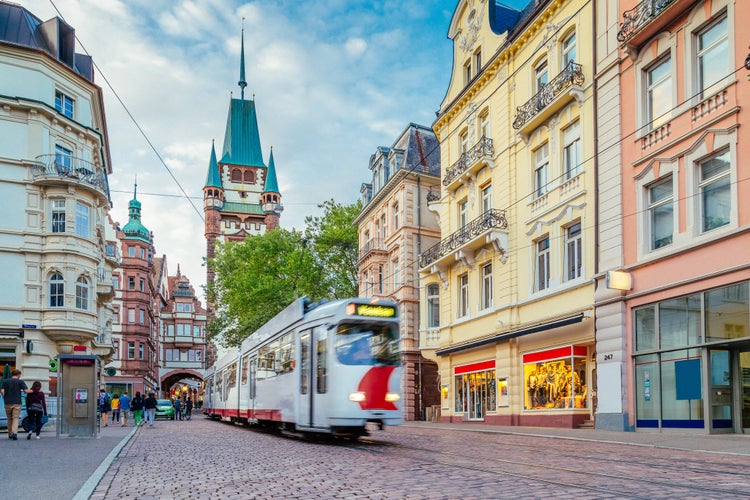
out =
column 586, row 160
column 135, row 122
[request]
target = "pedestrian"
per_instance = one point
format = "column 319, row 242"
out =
column 11, row 392
column 104, row 406
column 188, row 408
column 36, row 407
column 115, row 403
column 176, row 404
column 124, row 408
column 137, row 406
column 150, row 405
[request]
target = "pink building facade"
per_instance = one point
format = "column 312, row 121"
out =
column 685, row 220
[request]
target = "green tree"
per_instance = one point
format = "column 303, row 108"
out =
column 334, row 239
column 255, row 279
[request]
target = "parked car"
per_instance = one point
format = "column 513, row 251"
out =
column 164, row 409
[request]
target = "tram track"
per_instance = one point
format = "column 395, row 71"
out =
column 578, row 478
column 684, row 465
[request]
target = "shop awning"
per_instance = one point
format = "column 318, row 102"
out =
column 557, row 323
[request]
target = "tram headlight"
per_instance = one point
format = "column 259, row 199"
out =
column 357, row 397
column 392, row 397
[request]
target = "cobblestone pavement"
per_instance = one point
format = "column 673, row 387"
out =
column 205, row 459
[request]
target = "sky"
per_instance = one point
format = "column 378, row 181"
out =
column 333, row 80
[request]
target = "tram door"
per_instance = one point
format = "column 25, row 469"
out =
column 313, row 378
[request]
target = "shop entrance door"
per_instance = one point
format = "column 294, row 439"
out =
column 476, row 391
column 721, row 391
column 744, row 372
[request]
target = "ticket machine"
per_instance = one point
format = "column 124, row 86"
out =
column 77, row 395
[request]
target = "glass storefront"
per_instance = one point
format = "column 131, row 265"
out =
column 556, row 378
column 673, row 340
column 475, row 389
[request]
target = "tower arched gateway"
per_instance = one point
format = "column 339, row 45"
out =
column 183, row 338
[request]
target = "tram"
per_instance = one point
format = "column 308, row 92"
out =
column 315, row 368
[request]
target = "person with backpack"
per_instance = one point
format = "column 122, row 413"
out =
column 137, row 406
column 150, row 405
column 105, row 405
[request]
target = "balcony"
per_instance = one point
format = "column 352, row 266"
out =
column 469, row 163
column 375, row 246
column 49, row 169
column 105, row 288
column 647, row 19
column 557, row 93
column 433, row 196
column 482, row 231
column 112, row 254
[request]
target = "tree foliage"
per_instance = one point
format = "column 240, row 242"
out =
column 335, row 242
column 255, row 279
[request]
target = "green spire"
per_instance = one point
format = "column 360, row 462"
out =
column 272, row 185
column 214, row 177
column 134, row 230
column 242, row 83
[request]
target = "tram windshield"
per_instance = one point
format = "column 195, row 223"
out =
column 367, row 344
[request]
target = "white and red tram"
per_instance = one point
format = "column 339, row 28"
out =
column 328, row 368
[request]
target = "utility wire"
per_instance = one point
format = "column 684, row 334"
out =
column 135, row 122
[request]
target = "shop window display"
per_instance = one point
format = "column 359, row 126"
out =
column 476, row 393
column 555, row 383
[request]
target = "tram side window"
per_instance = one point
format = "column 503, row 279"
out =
column 266, row 362
column 322, row 367
column 232, row 377
column 220, row 385
column 285, row 359
column 245, row 363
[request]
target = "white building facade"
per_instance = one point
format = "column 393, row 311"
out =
column 54, row 163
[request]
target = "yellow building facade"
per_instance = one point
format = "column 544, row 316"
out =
column 507, row 292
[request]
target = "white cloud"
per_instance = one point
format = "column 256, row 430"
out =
column 333, row 80
column 355, row 47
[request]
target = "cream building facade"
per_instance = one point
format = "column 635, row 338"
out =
column 511, row 279
column 55, row 161
column 394, row 225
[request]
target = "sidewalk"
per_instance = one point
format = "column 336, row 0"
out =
column 738, row 444
column 58, row 468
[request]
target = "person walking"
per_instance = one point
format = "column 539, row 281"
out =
column 36, row 407
column 177, row 404
column 104, row 406
column 124, row 408
column 11, row 392
column 150, row 405
column 137, row 406
column 188, row 408
column 115, row 403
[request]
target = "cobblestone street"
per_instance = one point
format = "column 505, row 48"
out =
column 206, row 459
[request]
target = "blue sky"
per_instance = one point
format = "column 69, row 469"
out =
column 332, row 79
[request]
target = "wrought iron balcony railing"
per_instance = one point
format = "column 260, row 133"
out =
column 69, row 167
column 433, row 196
column 492, row 218
column 482, row 149
column 572, row 74
column 373, row 245
column 639, row 16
